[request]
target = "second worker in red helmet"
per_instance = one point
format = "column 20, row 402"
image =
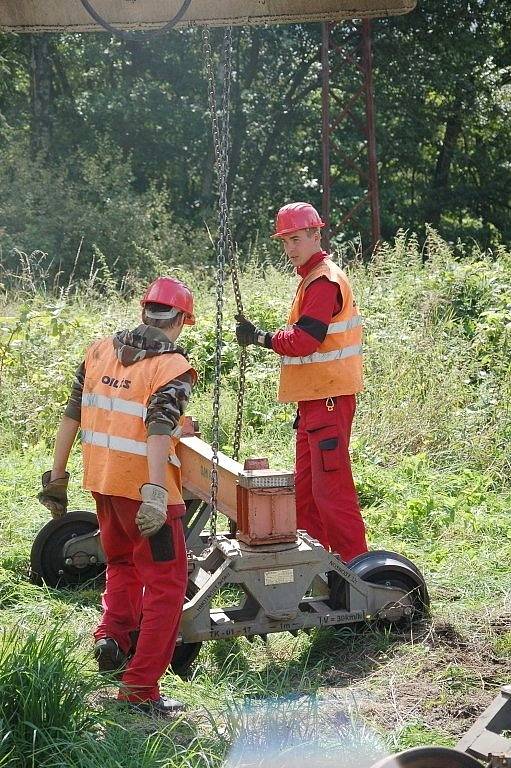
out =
column 321, row 369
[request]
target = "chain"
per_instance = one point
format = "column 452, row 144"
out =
column 242, row 365
column 221, row 147
column 231, row 252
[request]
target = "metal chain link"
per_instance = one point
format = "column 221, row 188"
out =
column 223, row 140
column 225, row 249
column 243, row 357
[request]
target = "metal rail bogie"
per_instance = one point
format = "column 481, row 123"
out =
column 282, row 588
column 268, row 578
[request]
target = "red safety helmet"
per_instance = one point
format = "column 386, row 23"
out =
column 171, row 293
column 296, row 216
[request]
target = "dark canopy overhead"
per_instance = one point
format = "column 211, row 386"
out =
column 71, row 16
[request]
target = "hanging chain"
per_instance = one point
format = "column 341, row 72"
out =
column 231, row 251
column 221, row 147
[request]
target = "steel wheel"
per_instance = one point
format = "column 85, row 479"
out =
column 47, row 560
column 393, row 570
column 429, row 757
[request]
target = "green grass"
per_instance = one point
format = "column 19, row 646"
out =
column 432, row 454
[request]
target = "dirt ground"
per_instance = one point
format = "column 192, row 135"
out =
column 443, row 682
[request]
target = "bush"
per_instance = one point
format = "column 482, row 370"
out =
column 83, row 216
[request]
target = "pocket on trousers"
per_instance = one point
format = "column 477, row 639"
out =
column 162, row 545
column 330, row 454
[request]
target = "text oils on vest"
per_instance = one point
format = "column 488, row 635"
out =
column 117, row 383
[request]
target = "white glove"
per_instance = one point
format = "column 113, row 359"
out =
column 152, row 513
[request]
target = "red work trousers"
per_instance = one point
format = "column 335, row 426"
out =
column 145, row 589
column 327, row 504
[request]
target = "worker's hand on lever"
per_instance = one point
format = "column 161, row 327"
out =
column 152, row 513
column 247, row 333
column 54, row 493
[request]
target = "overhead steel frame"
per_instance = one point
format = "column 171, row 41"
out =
column 354, row 52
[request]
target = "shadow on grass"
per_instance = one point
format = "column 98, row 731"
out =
column 339, row 657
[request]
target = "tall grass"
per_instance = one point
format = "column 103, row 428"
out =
column 437, row 349
column 432, row 453
column 43, row 694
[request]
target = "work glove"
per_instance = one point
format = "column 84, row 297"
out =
column 247, row 333
column 152, row 513
column 54, row 493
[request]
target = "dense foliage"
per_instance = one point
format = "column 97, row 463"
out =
column 107, row 144
column 437, row 340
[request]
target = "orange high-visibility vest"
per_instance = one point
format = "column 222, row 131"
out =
column 114, row 435
column 335, row 368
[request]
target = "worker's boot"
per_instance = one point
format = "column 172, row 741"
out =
column 109, row 656
column 162, row 707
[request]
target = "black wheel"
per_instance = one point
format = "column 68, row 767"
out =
column 47, row 559
column 183, row 658
column 393, row 570
column 429, row 757
column 185, row 653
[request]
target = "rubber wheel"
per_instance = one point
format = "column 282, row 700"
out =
column 393, row 570
column 183, row 658
column 47, row 564
column 429, row 757
column 185, row 653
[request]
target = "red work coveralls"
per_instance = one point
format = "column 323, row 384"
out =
column 146, row 578
column 326, row 499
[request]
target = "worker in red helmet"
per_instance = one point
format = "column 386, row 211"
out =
column 128, row 399
column 321, row 369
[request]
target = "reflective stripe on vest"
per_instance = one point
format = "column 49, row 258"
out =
column 344, row 325
column 95, row 400
column 123, row 444
column 324, row 357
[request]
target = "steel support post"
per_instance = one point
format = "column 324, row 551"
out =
column 348, row 93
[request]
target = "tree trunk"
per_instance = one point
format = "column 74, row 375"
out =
column 239, row 120
column 440, row 185
column 41, row 94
